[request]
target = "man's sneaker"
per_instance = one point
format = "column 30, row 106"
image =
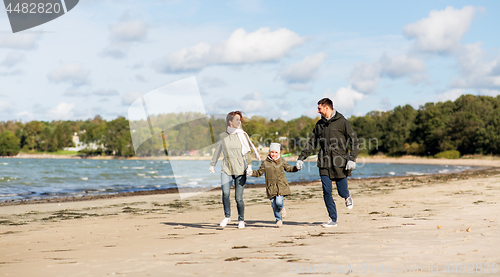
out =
column 330, row 223
column 283, row 213
column 225, row 221
column 348, row 202
column 241, row 224
column 279, row 223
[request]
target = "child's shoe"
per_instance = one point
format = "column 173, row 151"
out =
column 330, row 223
column 283, row 213
column 279, row 223
column 241, row 224
column 349, row 203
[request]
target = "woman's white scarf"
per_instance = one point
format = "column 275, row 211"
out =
column 244, row 140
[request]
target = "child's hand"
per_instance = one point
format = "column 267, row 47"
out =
column 211, row 169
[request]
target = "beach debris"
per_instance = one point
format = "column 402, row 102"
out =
column 233, row 259
column 468, row 229
column 439, row 227
column 239, row 247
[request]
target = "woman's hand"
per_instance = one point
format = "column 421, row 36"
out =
column 249, row 171
column 211, row 169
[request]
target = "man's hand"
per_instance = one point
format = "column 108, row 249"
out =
column 350, row 165
column 299, row 164
column 211, row 169
column 249, row 171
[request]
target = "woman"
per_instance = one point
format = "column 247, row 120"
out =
column 235, row 145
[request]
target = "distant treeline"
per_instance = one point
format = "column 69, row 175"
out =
column 468, row 125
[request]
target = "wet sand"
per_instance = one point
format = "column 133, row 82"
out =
column 397, row 223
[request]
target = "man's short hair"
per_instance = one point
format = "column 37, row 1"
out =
column 327, row 102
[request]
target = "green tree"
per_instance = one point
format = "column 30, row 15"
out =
column 118, row 140
column 9, row 144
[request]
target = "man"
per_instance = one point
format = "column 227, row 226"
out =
column 332, row 133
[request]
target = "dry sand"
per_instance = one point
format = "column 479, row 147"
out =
column 410, row 223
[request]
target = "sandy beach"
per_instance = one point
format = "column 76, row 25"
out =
column 423, row 225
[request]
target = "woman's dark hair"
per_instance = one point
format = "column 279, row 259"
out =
column 327, row 102
column 231, row 115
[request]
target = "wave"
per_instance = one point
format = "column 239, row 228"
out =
column 415, row 173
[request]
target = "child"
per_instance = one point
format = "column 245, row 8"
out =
column 276, row 184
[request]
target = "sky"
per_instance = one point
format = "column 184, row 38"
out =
column 274, row 59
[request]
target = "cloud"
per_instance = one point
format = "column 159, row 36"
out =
column 213, row 82
column 28, row 116
column 129, row 31
column 12, row 72
column 253, row 102
column 299, row 87
column 249, row 103
column 401, row 66
column 12, row 59
column 6, row 107
column 450, row 95
column 305, row 70
column 115, row 51
column 63, row 111
column 366, row 76
column 442, row 31
column 344, row 99
column 122, row 35
column 74, row 74
column 72, row 91
column 106, row 92
column 386, row 104
column 19, row 41
column 130, row 97
column 478, row 68
column 140, row 78
column 241, row 47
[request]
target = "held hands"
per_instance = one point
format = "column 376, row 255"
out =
column 211, row 169
column 249, row 171
column 350, row 165
column 299, row 164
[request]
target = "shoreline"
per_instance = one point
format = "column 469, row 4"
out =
column 480, row 171
column 466, row 160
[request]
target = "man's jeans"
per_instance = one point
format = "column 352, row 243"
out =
column 327, row 194
column 277, row 204
column 239, row 184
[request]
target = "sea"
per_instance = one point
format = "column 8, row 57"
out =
column 34, row 179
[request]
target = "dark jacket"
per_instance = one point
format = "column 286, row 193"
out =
column 276, row 183
column 334, row 137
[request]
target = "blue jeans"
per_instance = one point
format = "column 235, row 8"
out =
column 277, row 203
column 239, row 184
column 327, row 194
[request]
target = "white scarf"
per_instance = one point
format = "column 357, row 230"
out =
column 244, row 140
